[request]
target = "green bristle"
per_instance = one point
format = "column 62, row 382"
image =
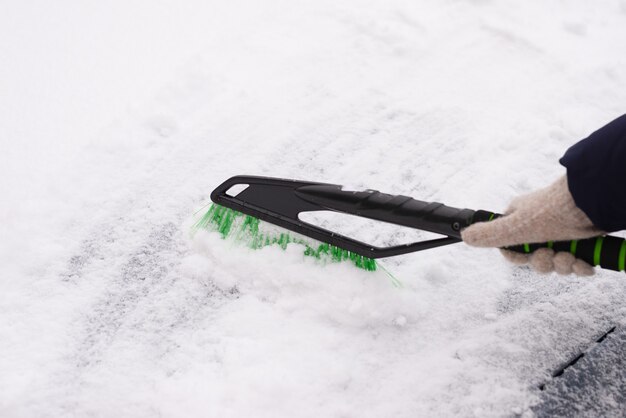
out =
column 223, row 219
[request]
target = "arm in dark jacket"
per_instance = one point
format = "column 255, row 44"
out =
column 596, row 175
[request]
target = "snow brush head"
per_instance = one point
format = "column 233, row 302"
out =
column 230, row 223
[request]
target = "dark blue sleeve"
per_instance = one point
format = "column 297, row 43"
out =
column 596, row 175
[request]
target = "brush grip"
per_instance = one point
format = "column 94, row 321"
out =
column 396, row 209
column 608, row 252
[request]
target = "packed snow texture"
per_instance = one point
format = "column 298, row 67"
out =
column 118, row 118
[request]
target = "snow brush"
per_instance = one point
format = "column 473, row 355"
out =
column 280, row 201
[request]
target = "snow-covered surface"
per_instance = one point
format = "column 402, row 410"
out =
column 118, row 118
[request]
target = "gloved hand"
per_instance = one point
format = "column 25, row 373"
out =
column 548, row 214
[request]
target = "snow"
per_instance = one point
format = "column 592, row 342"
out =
column 117, row 120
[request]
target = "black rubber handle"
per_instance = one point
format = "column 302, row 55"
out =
column 608, row 252
column 396, row 209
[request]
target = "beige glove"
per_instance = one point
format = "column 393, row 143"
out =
column 548, row 214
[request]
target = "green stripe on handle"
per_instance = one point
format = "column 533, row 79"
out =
column 597, row 251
